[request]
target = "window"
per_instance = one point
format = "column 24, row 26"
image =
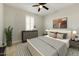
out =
column 29, row 22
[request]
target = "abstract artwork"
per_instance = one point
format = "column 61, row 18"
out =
column 60, row 23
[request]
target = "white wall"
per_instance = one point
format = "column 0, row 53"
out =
column 1, row 24
column 16, row 18
column 71, row 12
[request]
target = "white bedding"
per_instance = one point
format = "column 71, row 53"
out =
column 46, row 46
column 66, row 41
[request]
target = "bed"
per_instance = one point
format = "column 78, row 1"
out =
column 66, row 41
column 47, row 46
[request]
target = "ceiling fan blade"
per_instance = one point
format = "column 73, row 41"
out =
column 38, row 9
column 35, row 5
column 42, row 3
column 45, row 7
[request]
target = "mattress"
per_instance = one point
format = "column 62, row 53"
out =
column 45, row 46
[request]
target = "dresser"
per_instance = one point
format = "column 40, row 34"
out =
column 29, row 34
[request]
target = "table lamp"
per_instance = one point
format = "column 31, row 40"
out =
column 74, row 33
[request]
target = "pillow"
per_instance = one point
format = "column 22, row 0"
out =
column 69, row 35
column 65, row 36
column 60, row 35
column 53, row 34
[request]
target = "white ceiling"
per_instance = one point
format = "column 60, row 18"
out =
column 53, row 7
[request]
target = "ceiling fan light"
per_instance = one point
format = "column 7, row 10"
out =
column 40, row 6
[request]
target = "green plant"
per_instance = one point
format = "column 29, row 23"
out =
column 8, row 34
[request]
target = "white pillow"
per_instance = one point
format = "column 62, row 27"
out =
column 60, row 36
column 69, row 36
column 51, row 34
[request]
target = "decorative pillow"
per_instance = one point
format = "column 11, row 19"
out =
column 69, row 35
column 53, row 34
column 65, row 36
column 60, row 35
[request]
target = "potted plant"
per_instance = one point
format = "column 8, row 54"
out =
column 8, row 34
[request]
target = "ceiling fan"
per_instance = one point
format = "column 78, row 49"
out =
column 41, row 5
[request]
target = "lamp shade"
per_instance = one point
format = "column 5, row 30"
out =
column 74, row 32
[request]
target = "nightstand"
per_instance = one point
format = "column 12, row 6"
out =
column 74, row 44
column 2, row 50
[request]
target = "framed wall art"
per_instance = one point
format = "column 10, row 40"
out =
column 60, row 23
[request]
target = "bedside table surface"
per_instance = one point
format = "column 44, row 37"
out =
column 74, row 44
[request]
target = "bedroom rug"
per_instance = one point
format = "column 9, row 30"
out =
column 73, row 52
column 18, row 50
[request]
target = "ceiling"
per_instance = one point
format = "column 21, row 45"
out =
column 53, row 7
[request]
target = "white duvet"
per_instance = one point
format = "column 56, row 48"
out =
column 66, row 41
column 45, row 46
